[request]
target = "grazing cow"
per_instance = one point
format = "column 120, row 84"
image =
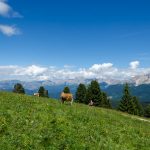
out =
column 37, row 94
column 66, row 97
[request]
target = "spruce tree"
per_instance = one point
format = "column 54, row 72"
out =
column 147, row 111
column 18, row 88
column 81, row 93
column 105, row 102
column 131, row 107
column 138, row 109
column 66, row 89
column 94, row 93
column 130, row 104
column 41, row 91
column 88, row 94
column 126, row 101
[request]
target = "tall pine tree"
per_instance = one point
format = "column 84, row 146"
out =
column 126, row 100
column 147, row 111
column 130, row 104
column 88, row 94
column 41, row 91
column 138, row 109
column 105, row 102
column 81, row 93
column 94, row 93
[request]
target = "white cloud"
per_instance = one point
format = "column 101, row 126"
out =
column 102, row 72
column 7, row 11
column 30, row 70
column 4, row 8
column 9, row 30
column 134, row 64
column 101, row 66
column 35, row 70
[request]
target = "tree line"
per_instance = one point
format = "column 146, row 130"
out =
column 18, row 88
column 84, row 94
column 128, row 103
column 92, row 93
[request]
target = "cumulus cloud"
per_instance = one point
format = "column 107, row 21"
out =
column 101, row 67
column 102, row 72
column 32, row 70
column 9, row 30
column 7, row 11
column 134, row 64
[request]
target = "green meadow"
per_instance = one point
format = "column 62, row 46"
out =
column 33, row 123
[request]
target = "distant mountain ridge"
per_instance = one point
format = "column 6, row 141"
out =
column 113, row 90
column 135, row 80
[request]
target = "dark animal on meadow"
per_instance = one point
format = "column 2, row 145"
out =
column 68, row 97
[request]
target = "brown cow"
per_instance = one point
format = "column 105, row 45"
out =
column 66, row 97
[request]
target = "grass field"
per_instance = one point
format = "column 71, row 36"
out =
column 28, row 122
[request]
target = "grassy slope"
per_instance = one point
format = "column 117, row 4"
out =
column 34, row 123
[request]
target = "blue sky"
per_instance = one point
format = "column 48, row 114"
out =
column 75, row 33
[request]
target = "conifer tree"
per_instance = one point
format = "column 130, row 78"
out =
column 41, row 91
column 130, row 104
column 126, row 100
column 88, row 94
column 66, row 89
column 81, row 93
column 105, row 102
column 138, row 109
column 131, row 107
column 147, row 111
column 18, row 88
column 94, row 93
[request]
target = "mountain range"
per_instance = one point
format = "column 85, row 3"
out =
column 139, row 86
